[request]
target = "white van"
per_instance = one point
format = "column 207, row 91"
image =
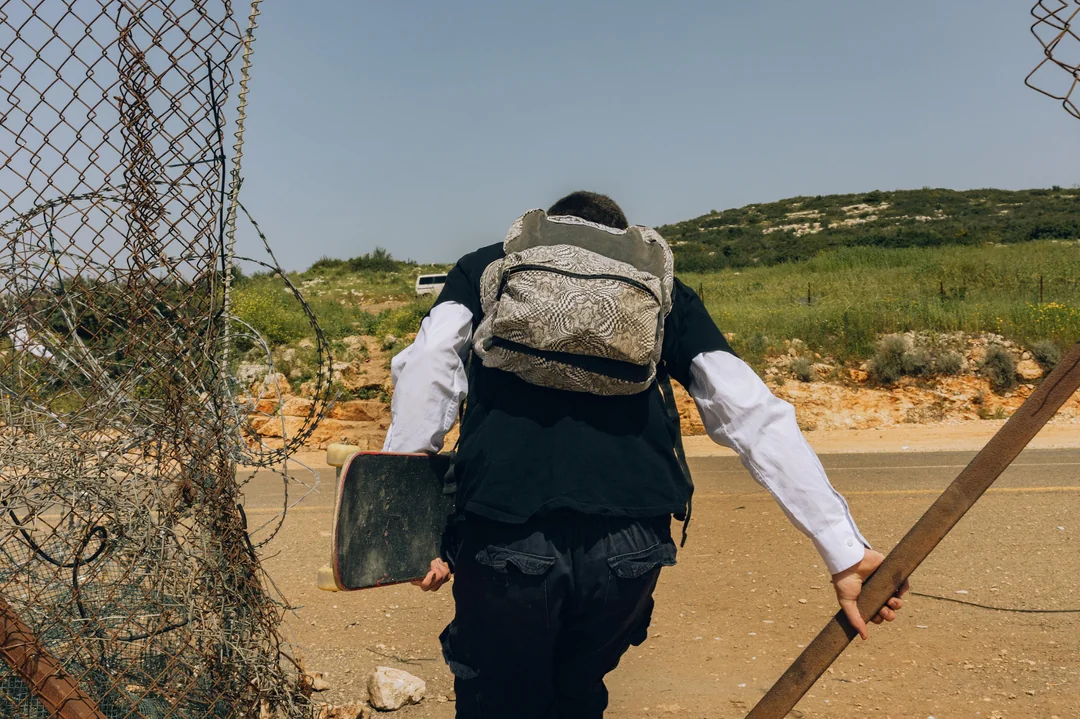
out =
column 429, row 284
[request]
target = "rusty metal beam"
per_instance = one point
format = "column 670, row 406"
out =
column 44, row 676
column 931, row 528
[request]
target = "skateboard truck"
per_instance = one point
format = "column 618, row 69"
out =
column 336, row 456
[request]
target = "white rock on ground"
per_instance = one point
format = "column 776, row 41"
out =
column 390, row 689
column 1029, row 369
column 315, row 681
column 354, row 710
column 318, row 682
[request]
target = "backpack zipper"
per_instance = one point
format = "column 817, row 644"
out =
column 543, row 268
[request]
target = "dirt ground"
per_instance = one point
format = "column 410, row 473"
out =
column 749, row 592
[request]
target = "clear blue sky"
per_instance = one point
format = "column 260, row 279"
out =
column 427, row 127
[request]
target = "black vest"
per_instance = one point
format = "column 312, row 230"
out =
column 525, row 450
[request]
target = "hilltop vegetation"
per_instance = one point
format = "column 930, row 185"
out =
column 799, row 228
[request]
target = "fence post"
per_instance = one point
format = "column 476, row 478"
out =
column 43, row 675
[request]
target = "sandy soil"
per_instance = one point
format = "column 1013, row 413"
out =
column 749, row 592
column 963, row 437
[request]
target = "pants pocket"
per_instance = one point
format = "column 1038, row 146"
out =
column 632, row 565
column 635, row 570
column 499, row 558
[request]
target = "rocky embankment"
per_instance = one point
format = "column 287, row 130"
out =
column 835, row 397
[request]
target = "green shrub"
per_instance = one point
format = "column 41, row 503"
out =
column 998, row 413
column 336, row 319
column 917, row 362
column 370, row 391
column 273, row 313
column 758, row 344
column 896, row 358
column 949, row 363
column 803, row 369
column 328, row 264
column 999, row 366
column 379, row 259
column 400, row 321
column 752, row 350
column 887, row 365
column 1046, row 353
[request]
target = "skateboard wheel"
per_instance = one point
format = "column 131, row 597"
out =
column 325, row 579
column 338, row 454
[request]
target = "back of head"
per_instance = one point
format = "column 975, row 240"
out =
column 591, row 206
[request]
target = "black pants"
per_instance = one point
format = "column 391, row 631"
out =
column 545, row 609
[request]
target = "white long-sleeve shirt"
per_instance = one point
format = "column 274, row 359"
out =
column 736, row 407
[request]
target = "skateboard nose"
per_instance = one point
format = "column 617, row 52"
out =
column 336, row 456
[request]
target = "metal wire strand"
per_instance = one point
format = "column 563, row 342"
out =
column 1055, row 29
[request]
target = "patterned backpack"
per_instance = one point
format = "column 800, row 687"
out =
column 577, row 306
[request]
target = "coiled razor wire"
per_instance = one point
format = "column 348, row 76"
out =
column 124, row 548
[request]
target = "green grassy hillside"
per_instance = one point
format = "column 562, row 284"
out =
column 799, row 228
column 842, row 301
column 869, row 265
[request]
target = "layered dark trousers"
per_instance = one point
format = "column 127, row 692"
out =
column 545, row 609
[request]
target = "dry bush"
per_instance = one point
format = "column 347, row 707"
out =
column 1046, row 353
column 999, row 366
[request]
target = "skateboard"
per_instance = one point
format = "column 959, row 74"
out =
column 389, row 518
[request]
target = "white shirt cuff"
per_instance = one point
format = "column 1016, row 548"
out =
column 839, row 546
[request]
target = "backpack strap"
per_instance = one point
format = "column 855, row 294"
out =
column 450, row 541
column 450, row 480
column 664, row 381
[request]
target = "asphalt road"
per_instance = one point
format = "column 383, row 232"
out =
column 904, row 473
column 749, row 592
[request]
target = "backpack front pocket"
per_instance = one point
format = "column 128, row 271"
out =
column 607, row 315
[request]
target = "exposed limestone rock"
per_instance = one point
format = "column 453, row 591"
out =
column 390, row 689
column 1029, row 369
column 353, row 710
column 359, row 410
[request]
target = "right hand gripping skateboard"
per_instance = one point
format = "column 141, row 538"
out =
column 389, row 518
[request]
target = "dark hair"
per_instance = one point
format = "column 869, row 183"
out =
column 592, row 207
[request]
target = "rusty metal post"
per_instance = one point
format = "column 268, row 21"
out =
column 931, row 528
column 43, row 675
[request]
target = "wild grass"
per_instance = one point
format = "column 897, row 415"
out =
column 843, row 301
column 268, row 306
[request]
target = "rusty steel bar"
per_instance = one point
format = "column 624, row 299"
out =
column 44, row 676
column 931, row 528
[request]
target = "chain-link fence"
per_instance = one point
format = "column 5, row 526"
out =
column 129, row 582
column 1059, row 72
